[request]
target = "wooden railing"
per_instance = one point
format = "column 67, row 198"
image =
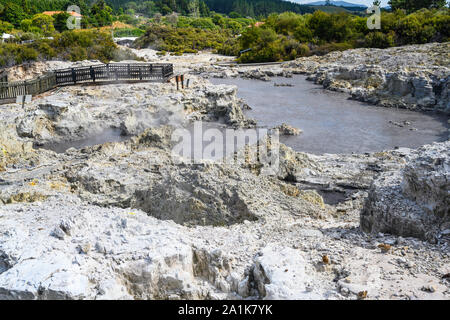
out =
column 92, row 74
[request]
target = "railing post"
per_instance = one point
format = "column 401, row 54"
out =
column 74, row 76
column 92, row 71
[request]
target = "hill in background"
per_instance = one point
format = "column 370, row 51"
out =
column 336, row 3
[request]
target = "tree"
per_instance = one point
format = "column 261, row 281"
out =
column 25, row 25
column 13, row 14
column 204, row 10
column 157, row 17
column 44, row 23
column 414, row 5
column 101, row 14
column 194, row 8
column 166, row 10
column 60, row 22
column 5, row 27
column 218, row 20
column 234, row 15
column 172, row 18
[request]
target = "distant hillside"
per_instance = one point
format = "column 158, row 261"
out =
column 245, row 8
column 256, row 7
column 329, row 9
column 336, row 3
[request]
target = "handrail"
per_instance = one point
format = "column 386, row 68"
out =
column 153, row 72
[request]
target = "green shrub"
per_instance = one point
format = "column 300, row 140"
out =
column 69, row 45
column 75, row 54
column 379, row 40
column 127, row 32
column 229, row 48
column 167, row 38
column 26, row 24
column 11, row 54
column 45, row 49
column 203, row 23
column 303, row 34
column 5, row 27
column 234, row 15
column 441, row 23
column 408, row 29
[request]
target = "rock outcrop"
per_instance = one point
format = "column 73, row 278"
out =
column 412, row 201
column 103, row 254
column 281, row 274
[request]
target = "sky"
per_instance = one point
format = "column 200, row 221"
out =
column 366, row 2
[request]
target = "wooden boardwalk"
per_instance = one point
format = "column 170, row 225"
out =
column 116, row 72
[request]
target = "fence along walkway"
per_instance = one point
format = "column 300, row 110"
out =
column 92, row 74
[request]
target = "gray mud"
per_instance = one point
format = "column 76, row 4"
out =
column 331, row 122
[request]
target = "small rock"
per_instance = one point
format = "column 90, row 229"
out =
column 100, row 248
column 58, row 233
column 66, row 226
column 345, row 291
column 385, row 247
column 430, row 288
column 400, row 241
column 287, row 130
column 362, row 294
column 85, row 248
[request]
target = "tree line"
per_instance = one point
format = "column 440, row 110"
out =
column 288, row 36
column 281, row 36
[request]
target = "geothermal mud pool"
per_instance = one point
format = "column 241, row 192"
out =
column 330, row 121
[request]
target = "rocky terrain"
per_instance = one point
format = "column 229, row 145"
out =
column 125, row 220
